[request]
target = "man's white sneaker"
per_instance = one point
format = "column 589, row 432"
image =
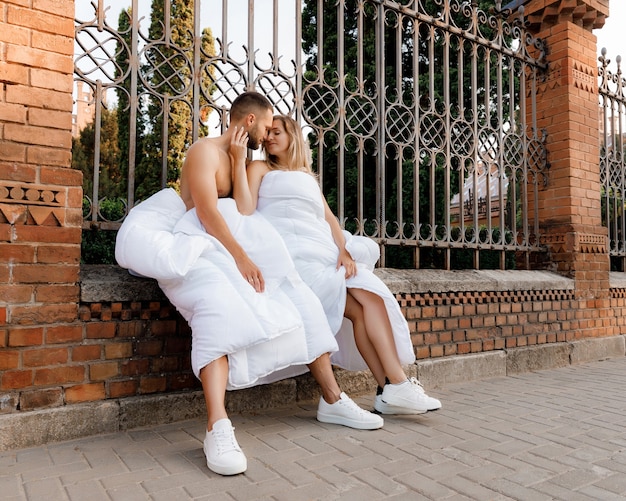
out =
column 405, row 398
column 345, row 412
column 223, row 454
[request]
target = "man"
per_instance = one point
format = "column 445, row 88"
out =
column 214, row 169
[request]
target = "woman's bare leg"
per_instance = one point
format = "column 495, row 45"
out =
column 380, row 334
column 322, row 371
column 354, row 313
column 214, row 378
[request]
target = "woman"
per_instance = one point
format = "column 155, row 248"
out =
column 337, row 266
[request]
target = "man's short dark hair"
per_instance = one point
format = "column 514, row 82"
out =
column 249, row 102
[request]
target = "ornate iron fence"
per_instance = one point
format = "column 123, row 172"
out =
column 420, row 113
column 612, row 166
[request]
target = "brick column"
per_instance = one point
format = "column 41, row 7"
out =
column 40, row 199
column 567, row 108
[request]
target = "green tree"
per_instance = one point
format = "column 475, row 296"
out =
column 83, row 154
column 169, row 70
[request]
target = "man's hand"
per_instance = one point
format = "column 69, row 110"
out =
column 251, row 273
column 238, row 148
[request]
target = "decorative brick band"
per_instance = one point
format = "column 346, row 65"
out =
column 585, row 243
column 585, row 78
column 127, row 310
column 591, row 244
column 437, row 299
column 29, row 204
column 31, row 194
column 618, row 293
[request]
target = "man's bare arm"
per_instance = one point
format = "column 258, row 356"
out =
column 201, row 166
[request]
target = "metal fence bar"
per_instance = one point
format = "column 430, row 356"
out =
column 612, row 114
column 426, row 117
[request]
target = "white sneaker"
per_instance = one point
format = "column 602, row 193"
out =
column 345, row 412
column 223, row 454
column 405, row 398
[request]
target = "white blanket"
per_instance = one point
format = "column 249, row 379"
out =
column 291, row 201
column 266, row 336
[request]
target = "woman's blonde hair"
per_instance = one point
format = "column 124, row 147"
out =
column 298, row 153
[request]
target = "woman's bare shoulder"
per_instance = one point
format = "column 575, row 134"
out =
column 258, row 167
column 259, row 164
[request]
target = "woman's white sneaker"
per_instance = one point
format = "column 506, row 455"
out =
column 405, row 398
column 223, row 454
column 346, row 413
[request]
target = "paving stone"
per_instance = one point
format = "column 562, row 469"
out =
column 116, row 482
column 615, row 483
column 132, row 492
column 177, row 480
column 600, row 494
column 379, row 482
column 90, row 490
column 469, row 488
column 49, row 488
column 517, row 492
column 549, row 435
column 41, row 471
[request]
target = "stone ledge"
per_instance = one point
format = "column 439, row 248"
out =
column 28, row 429
column 111, row 283
column 103, row 282
column 421, row 281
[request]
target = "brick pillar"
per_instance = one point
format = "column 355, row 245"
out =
column 567, row 108
column 40, row 195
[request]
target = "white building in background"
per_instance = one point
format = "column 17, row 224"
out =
column 481, row 191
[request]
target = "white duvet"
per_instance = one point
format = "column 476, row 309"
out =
column 266, row 336
column 292, row 202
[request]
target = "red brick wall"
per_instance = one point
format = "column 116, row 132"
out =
column 475, row 322
column 40, row 199
column 567, row 109
column 116, row 350
column 124, row 349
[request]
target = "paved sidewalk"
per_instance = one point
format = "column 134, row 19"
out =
column 556, row 434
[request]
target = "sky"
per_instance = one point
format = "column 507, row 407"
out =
column 611, row 35
column 211, row 15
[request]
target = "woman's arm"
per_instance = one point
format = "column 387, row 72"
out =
column 246, row 193
column 344, row 259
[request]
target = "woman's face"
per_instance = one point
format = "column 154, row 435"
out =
column 277, row 141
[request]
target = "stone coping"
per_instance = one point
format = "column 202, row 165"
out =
column 113, row 283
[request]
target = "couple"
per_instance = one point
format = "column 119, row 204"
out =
column 261, row 310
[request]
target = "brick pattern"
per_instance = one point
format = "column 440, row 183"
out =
column 40, row 196
column 124, row 349
column 115, row 350
column 569, row 210
column 473, row 322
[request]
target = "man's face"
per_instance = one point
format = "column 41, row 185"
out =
column 259, row 129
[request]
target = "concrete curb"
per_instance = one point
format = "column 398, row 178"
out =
column 29, row 429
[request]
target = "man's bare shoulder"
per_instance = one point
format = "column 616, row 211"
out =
column 202, row 152
column 206, row 167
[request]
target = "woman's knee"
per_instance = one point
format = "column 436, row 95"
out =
column 354, row 310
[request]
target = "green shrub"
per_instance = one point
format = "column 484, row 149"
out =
column 97, row 245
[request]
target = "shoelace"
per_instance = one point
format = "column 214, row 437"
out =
column 225, row 441
column 351, row 405
column 418, row 385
